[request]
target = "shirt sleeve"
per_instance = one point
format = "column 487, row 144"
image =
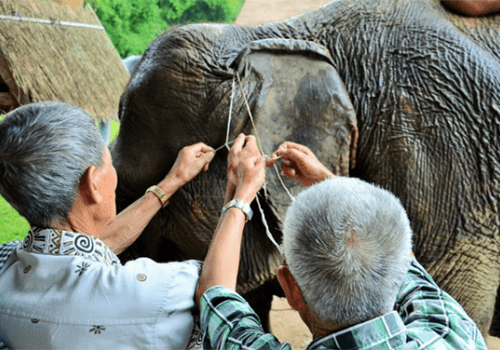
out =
column 228, row 322
column 6, row 250
column 434, row 320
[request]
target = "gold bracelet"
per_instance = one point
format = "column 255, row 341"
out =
column 159, row 193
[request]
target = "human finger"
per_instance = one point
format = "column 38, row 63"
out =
column 294, row 156
column 283, row 146
column 194, row 150
column 207, row 158
column 288, row 145
column 238, row 144
column 200, row 147
column 260, row 166
column 299, row 147
column 270, row 161
column 206, row 148
column 251, row 145
column 288, row 170
column 252, row 174
column 232, row 157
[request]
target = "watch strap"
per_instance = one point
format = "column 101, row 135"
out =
column 159, row 193
column 244, row 207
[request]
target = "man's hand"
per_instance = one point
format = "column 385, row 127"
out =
column 190, row 161
column 246, row 173
column 301, row 164
column 245, row 169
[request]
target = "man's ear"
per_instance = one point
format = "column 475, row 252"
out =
column 88, row 188
column 291, row 288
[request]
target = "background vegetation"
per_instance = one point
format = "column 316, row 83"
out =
column 133, row 24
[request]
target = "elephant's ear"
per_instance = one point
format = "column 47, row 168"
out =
column 297, row 95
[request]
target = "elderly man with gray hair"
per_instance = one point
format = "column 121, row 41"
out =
column 64, row 287
column 349, row 269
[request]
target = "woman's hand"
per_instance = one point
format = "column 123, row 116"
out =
column 301, row 164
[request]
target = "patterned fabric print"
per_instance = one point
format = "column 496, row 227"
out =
column 228, row 322
column 82, row 268
column 97, row 329
column 55, row 242
column 449, row 326
column 196, row 340
column 389, row 330
column 5, row 250
column 428, row 319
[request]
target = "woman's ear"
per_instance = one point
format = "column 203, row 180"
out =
column 88, row 189
column 291, row 288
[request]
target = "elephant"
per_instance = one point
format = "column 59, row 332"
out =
column 403, row 94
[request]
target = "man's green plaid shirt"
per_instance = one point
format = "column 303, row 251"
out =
column 425, row 317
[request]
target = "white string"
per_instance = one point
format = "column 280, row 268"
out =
column 259, row 144
column 230, row 111
column 268, row 232
column 282, row 183
column 258, row 139
column 227, row 143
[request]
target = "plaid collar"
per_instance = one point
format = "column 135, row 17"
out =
column 388, row 329
column 56, row 242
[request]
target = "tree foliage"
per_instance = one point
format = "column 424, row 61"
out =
column 133, row 24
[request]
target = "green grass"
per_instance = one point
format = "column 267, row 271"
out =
column 12, row 225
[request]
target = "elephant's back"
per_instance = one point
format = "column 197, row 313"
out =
column 379, row 15
column 484, row 30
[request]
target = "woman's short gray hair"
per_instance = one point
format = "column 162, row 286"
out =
column 348, row 245
column 45, row 148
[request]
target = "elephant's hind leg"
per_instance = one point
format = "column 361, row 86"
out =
column 495, row 323
column 470, row 272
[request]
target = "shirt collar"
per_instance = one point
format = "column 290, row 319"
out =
column 58, row 242
column 371, row 334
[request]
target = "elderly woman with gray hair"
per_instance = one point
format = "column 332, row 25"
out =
column 64, row 286
column 349, row 269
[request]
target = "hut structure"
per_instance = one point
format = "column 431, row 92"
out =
column 58, row 51
column 255, row 12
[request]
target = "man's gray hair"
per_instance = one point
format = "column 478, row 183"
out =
column 348, row 245
column 45, row 148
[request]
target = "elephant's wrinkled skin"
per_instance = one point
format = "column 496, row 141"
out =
column 425, row 87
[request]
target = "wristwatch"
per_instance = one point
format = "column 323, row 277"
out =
column 158, row 193
column 244, row 207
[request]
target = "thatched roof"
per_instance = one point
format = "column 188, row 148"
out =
column 255, row 12
column 62, row 60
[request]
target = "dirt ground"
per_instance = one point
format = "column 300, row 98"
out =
column 288, row 327
column 255, row 12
